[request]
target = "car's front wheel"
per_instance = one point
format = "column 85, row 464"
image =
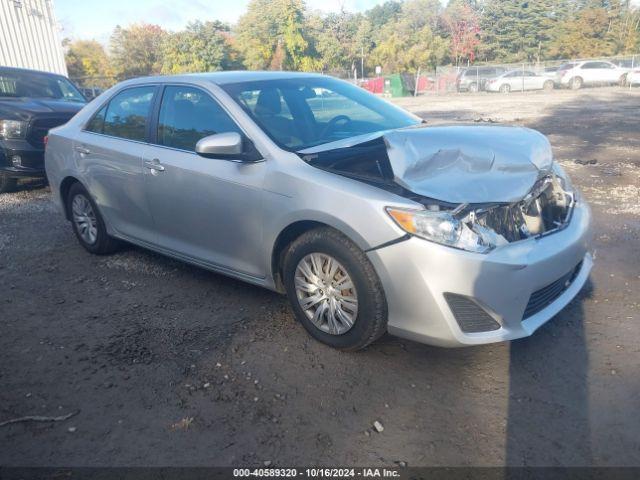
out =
column 548, row 85
column 334, row 290
column 575, row 83
column 88, row 224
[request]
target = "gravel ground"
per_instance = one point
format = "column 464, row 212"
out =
column 168, row 364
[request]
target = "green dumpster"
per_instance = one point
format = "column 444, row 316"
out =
column 394, row 86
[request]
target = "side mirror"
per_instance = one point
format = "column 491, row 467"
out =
column 229, row 143
column 227, row 146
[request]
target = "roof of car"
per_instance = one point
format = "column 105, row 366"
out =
column 226, row 77
column 28, row 70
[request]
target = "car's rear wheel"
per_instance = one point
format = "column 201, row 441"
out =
column 506, row 88
column 88, row 224
column 7, row 184
column 576, row 83
column 334, row 291
column 548, row 85
column 473, row 87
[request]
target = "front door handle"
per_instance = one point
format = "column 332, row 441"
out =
column 154, row 165
column 82, row 150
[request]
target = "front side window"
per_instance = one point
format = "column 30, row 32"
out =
column 127, row 113
column 299, row 113
column 188, row 114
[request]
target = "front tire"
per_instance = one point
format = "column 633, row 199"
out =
column 576, row 83
column 548, row 85
column 473, row 88
column 7, row 184
column 88, row 224
column 334, row 290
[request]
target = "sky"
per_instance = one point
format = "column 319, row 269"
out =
column 96, row 19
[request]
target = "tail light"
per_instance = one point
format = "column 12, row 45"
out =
column 45, row 140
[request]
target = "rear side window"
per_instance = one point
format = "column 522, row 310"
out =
column 188, row 114
column 126, row 115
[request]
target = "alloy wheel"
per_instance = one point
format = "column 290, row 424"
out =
column 84, row 219
column 326, row 293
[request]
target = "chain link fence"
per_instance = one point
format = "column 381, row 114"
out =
column 505, row 77
column 495, row 77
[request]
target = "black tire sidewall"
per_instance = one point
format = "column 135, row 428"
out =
column 368, row 291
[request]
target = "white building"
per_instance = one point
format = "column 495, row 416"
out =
column 29, row 36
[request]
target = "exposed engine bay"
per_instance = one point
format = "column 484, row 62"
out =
column 496, row 184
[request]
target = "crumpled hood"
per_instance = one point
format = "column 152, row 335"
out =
column 468, row 164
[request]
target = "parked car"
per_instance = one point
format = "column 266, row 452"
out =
column 31, row 103
column 576, row 74
column 474, row 79
column 519, row 80
column 307, row 185
column 633, row 77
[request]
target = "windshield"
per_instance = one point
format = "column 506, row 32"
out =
column 38, row 85
column 299, row 113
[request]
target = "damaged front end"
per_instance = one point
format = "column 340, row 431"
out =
column 481, row 228
column 514, row 189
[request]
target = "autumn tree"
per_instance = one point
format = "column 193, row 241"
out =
column 463, row 25
column 200, row 47
column 137, row 50
column 87, row 62
column 271, row 35
column 412, row 41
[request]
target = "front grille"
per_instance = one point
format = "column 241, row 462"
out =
column 540, row 299
column 470, row 316
column 40, row 127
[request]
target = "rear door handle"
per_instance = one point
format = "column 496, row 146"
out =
column 82, row 150
column 154, row 165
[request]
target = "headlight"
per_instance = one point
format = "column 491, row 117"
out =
column 565, row 181
column 13, row 129
column 443, row 228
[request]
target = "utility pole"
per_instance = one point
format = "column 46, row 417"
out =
column 362, row 62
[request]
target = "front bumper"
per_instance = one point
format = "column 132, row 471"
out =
column 416, row 274
column 31, row 159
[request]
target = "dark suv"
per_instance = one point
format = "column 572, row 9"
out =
column 474, row 79
column 31, row 103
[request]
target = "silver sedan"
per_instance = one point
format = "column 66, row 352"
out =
column 367, row 219
column 518, row 81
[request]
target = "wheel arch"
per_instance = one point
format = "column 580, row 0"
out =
column 65, row 187
column 290, row 233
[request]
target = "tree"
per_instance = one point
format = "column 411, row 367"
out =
column 88, row 63
column 412, row 41
column 137, row 50
column 271, row 36
column 463, row 25
column 201, row 47
column 517, row 30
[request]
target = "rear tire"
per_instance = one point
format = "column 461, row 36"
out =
column 7, row 184
column 548, row 85
column 315, row 252
column 473, row 88
column 506, row 88
column 87, row 222
column 576, row 83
